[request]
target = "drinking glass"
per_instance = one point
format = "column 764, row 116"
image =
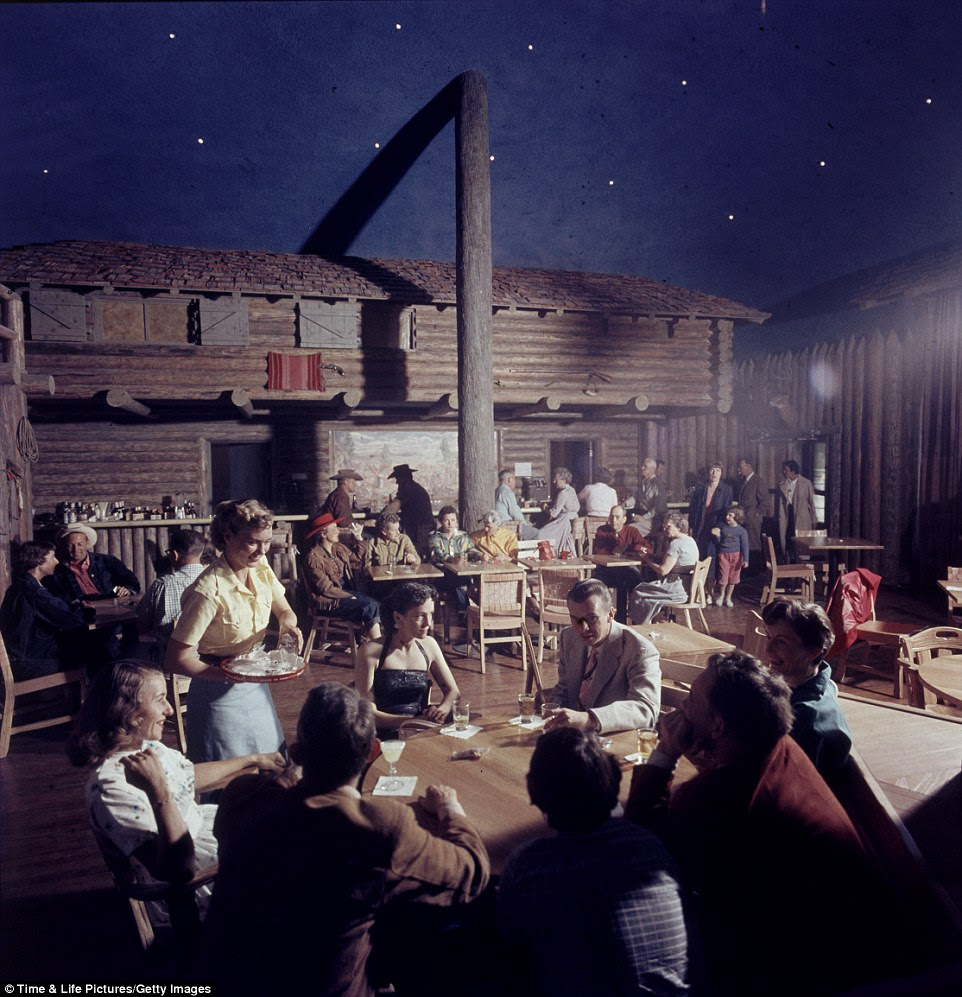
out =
column 392, row 752
column 391, row 562
column 462, row 714
column 647, row 742
column 526, row 707
column 548, row 708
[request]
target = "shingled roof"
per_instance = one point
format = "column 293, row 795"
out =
column 130, row 265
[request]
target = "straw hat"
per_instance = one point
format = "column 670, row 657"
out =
column 90, row 534
column 346, row 472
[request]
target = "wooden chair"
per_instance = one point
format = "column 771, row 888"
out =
column 320, row 624
column 177, row 686
column 180, row 899
column 755, row 640
column 12, row 688
column 781, row 573
column 591, row 528
column 500, row 608
column 953, row 601
column 550, row 601
column 917, row 649
column 696, row 596
column 875, row 633
column 578, row 535
column 676, row 680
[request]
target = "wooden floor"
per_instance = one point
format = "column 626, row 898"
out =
column 62, row 919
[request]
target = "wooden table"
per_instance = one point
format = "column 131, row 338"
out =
column 492, row 789
column 678, row 642
column 472, row 569
column 404, row 573
column 534, row 563
column 953, row 592
column 618, row 561
column 943, row 677
column 834, row 548
column 113, row 612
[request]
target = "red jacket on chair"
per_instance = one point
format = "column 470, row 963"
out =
column 850, row 604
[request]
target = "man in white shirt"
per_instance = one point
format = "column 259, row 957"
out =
column 506, row 505
column 599, row 497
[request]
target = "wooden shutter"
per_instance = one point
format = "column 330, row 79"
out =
column 331, row 325
column 57, row 315
column 224, row 322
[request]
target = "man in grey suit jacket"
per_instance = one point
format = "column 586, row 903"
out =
column 608, row 675
column 752, row 496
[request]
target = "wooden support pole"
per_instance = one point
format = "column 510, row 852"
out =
column 6, row 333
column 476, row 441
column 242, row 399
column 445, row 405
column 346, row 402
column 10, row 373
column 38, row 384
column 549, row 403
column 121, row 398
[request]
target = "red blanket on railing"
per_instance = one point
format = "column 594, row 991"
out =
column 851, row 603
column 287, row 372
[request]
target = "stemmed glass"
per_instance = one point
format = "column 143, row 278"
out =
column 392, row 752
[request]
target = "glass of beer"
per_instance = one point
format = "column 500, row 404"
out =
column 647, row 742
column 526, row 707
column 462, row 714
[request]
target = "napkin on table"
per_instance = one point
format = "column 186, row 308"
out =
column 406, row 784
column 533, row 724
column 452, row 731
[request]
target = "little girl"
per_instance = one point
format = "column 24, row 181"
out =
column 728, row 548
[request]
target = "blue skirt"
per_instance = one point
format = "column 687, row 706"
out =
column 227, row 719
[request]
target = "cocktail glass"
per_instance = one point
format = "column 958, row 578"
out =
column 392, row 752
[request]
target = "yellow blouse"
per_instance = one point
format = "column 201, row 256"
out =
column 503, row 542
column 220, row 616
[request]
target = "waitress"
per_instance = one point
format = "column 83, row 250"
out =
column 224, row 614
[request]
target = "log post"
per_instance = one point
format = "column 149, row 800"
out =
column 633, row 407
column 445, row 405
column 121, row 398
column 476, row 450
column 346, row 402
column 548, row 403
column 242, row 399
column 38, row 384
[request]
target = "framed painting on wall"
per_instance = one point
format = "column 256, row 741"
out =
column 374, row 454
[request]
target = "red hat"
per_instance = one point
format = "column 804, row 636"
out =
column 319, row 522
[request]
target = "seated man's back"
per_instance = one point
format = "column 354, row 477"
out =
column 303, row 877
column 598, row 912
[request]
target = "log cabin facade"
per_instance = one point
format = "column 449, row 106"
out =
column 159, row 354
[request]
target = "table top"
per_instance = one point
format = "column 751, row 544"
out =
column 471, row 569
column 404, row 573
column 535, row 563
column 676, row 641
column 943, row 676
column 950, row 584
column 813, row 544
column 110, row 612
column 615, row 560
column 492, row 789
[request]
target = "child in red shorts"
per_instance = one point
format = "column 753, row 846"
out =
column 728, row 549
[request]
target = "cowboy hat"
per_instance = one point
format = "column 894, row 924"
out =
column 319, row 522
column 86, row 531
column 403, row 470
column 346, row 472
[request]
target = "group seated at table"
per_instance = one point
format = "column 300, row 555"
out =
column 649, row 598
column 395, row 672
column 389, row 545
column 318, row 866
column 331, row 573
column 619, row 537
column 140, row 793
column 42, row 633
column 494, row 541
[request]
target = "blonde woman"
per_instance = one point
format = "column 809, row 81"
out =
column 224, row 614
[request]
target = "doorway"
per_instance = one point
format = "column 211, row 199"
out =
column 241, row 471
column 576, row 455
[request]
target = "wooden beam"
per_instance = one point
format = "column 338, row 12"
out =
column 477, row 460
column 121, row 398
column 445, row 405
column 346, row 402
column 548, row 403
column 242, row 399
column 10, row 373
column 633, row 407
column 38, row 384
column 6, row 333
